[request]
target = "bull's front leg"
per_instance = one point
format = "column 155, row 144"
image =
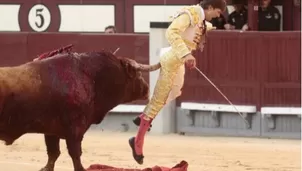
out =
column 74, row 146
column 53, row 151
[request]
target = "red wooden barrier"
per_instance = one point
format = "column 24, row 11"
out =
column 250, row 68
column 18, row 48
column 262, row 69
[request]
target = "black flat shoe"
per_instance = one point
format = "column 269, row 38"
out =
column 137, row 122
column 138, row 158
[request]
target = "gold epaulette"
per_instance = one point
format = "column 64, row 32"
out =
column 192, row 12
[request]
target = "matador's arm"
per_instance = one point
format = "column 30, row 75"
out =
column 173, row 34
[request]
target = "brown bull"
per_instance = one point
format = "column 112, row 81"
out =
column 62, row 96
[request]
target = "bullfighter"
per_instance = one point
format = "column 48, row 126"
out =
column 185, row 34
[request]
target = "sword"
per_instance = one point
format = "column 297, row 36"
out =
column 222, row 94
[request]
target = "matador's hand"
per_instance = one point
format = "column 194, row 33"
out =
column 190, row 61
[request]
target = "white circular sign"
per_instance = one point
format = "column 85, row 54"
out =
column 39, row 18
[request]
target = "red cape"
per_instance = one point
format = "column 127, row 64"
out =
column 182, row 166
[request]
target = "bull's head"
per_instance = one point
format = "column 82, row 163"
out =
column 136, row 86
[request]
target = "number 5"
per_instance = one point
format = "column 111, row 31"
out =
column 39, row 14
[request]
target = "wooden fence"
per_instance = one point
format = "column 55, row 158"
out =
column 258, row 68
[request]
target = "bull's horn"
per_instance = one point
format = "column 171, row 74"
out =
column 149, row 68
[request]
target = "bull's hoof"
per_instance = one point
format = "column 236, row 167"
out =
column 9, row 142
column 47, row 169
column 137, row 122
column 138, row 158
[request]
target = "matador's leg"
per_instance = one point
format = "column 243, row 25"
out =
column 174, row 93
column 170, row 66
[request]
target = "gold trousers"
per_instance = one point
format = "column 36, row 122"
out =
column 170, row 64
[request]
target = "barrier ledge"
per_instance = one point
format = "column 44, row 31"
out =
column 284, row 128
column 218, row 107
column 281, row 110
column 129, row 108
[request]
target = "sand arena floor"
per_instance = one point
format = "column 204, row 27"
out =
column 202, row 153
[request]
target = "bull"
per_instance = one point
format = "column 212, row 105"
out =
column 62, row 95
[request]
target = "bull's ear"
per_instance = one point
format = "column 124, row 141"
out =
column 129, row 68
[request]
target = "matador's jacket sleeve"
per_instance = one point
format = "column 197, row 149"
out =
column 180, row 23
